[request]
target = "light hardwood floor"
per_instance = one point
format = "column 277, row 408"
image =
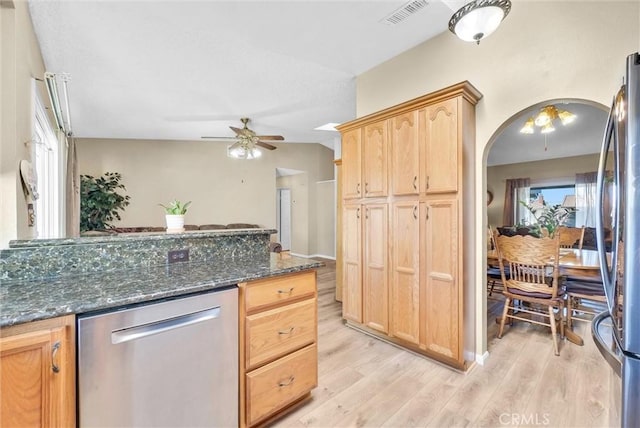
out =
column 364, row 382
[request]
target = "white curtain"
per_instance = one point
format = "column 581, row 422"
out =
column 586, row 199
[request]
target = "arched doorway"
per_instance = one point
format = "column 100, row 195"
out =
column 553, row 158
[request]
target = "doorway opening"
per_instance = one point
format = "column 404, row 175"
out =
column 283, row 217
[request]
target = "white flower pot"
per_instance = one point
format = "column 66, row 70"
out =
column 175, row 223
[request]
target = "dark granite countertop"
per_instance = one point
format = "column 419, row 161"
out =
column 25, row 301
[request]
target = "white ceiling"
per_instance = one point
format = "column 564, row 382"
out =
column 583, row 136
column 183, row 69
column 178, row 70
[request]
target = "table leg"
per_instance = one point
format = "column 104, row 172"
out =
column 573, row 337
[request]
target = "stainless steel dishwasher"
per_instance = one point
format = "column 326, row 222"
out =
column 172, row 363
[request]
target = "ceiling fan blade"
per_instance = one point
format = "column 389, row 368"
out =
column 220, row 138
column 271, row 137
column 265, row 145
column 243, row 131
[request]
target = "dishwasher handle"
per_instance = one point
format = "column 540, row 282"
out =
column 144, row 330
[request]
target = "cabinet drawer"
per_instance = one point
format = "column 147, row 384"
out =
column 271, row 334
column 282, row 289
column 281, row 382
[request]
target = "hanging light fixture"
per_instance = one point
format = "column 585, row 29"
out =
column 478, row 19
column 244, row 148
column 544, row 120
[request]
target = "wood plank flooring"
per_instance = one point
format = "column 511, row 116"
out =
column 364, row 382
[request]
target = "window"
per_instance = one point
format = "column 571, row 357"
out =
column 48, row 161
column 563, row 195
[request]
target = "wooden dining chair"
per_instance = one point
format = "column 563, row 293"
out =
column 493, row 272
column 585, row 299
column 532, row 277
column 570, row 236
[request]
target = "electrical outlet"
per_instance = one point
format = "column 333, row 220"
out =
column 178, row 256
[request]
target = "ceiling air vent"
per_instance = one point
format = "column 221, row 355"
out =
column 403, row 12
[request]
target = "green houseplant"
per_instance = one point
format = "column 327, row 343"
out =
column 175, row 211
column 176, row 207
column 100, row 202
column 548, row 217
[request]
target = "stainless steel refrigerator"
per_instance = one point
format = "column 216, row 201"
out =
column 619, row 199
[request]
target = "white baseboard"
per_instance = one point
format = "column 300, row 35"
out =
column 311, row 256
column 482, row 358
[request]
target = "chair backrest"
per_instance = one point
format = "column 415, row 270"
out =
column 532, row 262
column 569, row 236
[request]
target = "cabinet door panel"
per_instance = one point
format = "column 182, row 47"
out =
column 375, row 285
column 352, row 164
column 375, row 159
column 31, row 392
column 405, row 288
column 441, row 147
column 351, row 268
column 405, row 154
column 443, row 297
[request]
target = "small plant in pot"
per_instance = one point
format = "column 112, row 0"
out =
column 175, row 211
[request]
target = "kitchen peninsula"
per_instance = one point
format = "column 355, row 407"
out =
column 47, row 284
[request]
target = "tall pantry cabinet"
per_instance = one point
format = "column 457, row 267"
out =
column 407, row 201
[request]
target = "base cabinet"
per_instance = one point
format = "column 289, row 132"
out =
column 37, row 374
column 278, row 345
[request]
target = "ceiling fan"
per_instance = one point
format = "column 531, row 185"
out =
column 247, row 142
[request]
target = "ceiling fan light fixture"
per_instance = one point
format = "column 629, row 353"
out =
column 478, row 19
column 547, row 128
column 528, row 126
column 566, row 117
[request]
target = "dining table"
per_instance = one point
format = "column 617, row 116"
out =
column 573, row 264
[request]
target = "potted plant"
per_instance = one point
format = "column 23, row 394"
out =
column 548, row 218
column 175, row 212
column 100, row 201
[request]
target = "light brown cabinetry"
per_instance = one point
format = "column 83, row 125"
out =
column 441, row 147
column 405, row 270
column 352, row 262
column 375, row 285
column 364, row 153
column 429, row 142
column 352, row 164
column 405, row 154
column 375, row 159
column 278, row 352
column 443, row 299
column 37, row 374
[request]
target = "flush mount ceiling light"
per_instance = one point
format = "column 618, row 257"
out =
column 478, row 19
column 544, row 120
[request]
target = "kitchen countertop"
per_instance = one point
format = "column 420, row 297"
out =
column 25, row 301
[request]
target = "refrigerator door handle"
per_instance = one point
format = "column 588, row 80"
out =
column 614, row 361
column 606, row 269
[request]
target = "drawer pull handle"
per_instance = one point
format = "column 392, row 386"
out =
column 54, row 352
column 285, row 291
column 287, row 382
column 286, row 331
column 415, row 182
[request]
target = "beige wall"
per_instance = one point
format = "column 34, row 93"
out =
column 20, row 61
column 326, row 219
column 549, row 172
column 223, row 190
column 543, row 50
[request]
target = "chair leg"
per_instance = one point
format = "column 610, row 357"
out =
column 552, row 322
column 493, row 284
column 569, row 311
column 562, row 321
column 505, row 311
